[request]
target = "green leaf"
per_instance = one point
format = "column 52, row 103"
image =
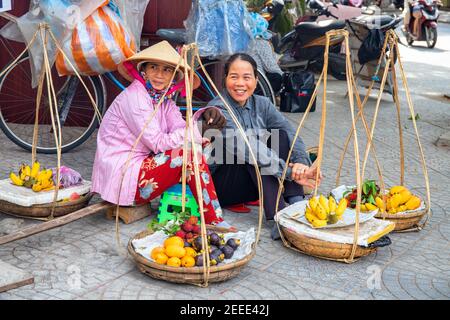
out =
column 371, row 199
column 365, row 188
column 416, row 117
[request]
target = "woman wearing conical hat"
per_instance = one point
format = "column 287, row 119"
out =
column 156, row 163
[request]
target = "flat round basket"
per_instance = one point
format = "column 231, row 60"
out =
column 314, row 150
column 44, row 210
column 404, row 221
column 193, row 275
column 324, row 249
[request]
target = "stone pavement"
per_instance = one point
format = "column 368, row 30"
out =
column 81, row 261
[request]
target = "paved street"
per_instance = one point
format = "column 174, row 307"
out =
column 415, row 266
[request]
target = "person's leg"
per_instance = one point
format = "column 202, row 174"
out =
column 234, row 185
column 211, row 206
column 160, row 172
column 417, row 14
column 275, row 80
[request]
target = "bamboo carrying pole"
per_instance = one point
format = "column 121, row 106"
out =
column 330, row 35
column 192, row 156
column 391, row 42
column 45, row 34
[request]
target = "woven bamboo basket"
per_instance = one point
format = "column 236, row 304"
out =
column 193, row 275
column 324, row 249
column 408, row 221
column 44, row 210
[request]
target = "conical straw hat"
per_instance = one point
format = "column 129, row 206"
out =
column 161, row 52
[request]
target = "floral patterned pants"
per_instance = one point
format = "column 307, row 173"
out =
column 163, row 170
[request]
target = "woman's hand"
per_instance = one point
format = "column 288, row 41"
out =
column 304, row 175
column 213, row 119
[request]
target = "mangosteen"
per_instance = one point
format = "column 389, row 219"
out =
column 227, row 251
column 214, row 239
column 212, row 248
column 234, row 243
column 199, row 260
column 216, row 257
column 197, row 243
column 219, row 254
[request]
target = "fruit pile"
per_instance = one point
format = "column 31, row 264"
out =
column 320, row 212
column 370, row 191
column 398, row 199
column 32, row 177
column 189, row 229
column 177, row 252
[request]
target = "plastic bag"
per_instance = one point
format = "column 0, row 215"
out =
column 371, row 46
column 219, row 27
column 67, row 177
column 297, row 91
column 60, row 15
column 132, row 13
column 97, row 45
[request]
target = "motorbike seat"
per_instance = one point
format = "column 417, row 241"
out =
column 380, row 21
column 319, row 28
column 177, row 36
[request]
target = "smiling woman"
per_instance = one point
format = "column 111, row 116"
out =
column 235, row 181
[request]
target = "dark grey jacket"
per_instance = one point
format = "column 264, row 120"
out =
column 258, row 114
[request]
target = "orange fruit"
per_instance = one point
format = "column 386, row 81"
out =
column 155, row 251
column 175, row 251
column 175, row 241
column 174, row 262
column 188, row 261
column 161, row 258
column 190, row 251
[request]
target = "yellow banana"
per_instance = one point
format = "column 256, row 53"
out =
column 35, row 169
column 341, row 207
column 310, row 216
column 323, row 201
column 36, row 187
column 22, row 174
column 321, row 212
column 319, row 223
column 413, row 203
column 362, row 208
column 370, row 207
column 396, row 189
column 380, row 204
column 406, row 195
column 402, row 208
column 332, row 204
column 313, row 203
column 15, row 179
column 396, row 200
column 27, row 170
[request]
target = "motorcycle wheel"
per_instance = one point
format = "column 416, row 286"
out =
column 431, row 37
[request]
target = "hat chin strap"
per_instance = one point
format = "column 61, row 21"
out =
column 132, row 70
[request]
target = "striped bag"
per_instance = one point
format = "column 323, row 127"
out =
column 97, row 45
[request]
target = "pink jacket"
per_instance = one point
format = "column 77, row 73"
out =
column 120, row 127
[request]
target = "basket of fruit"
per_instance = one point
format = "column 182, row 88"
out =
column 175, row 254
column 336, row 221
column 30, row 192
column 397, row 204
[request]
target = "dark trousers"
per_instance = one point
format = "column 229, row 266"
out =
column 237, row 183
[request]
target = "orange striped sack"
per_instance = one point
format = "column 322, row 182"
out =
column 97, row 45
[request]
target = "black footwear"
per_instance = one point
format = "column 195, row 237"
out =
column 275, row 233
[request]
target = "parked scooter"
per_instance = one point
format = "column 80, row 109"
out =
column 427, row 24
column 303, row 47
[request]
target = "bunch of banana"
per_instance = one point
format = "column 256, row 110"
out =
column 32, row 177
column 320, row 212
column 398, row 199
